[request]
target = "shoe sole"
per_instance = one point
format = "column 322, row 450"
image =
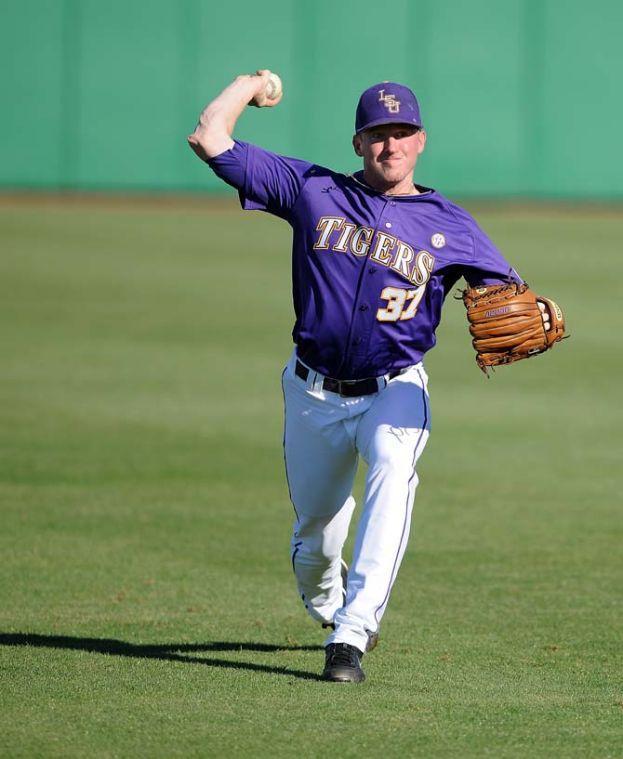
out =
column 343, row 677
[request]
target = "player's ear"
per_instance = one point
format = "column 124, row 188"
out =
column 357, row 144
column 421, row 141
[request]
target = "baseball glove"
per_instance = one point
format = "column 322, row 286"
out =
column 506, row 323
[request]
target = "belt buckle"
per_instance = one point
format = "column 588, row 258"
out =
column 346, row 383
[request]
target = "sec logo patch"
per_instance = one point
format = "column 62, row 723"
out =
column 438, row 240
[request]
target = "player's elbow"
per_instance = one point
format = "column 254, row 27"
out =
column 198, row 146
column 208, row 142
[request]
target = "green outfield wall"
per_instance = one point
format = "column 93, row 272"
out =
column 519, row 97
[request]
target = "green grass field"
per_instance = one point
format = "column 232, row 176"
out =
column 147, row 602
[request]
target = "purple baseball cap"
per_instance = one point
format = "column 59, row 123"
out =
column 387, row 103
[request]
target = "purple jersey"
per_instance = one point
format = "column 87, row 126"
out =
column 370, row 271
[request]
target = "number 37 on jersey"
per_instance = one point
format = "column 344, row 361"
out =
column 402, row 303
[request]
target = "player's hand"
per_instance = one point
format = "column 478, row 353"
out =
column 260, row 99
column 545, row 316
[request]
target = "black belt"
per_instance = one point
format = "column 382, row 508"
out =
column 347, row 388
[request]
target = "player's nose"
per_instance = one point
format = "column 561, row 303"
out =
column 390, row 144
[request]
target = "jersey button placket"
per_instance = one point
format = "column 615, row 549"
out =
column 364, row 321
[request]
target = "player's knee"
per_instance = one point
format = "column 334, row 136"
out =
column 316, row 539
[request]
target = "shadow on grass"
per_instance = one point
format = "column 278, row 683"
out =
column 163, row 652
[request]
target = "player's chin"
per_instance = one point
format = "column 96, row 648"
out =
column 393, row 172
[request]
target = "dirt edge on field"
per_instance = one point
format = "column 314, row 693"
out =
column 206, row 202
column 120, row 201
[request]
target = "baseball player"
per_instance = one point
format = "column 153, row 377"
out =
column 373, row 257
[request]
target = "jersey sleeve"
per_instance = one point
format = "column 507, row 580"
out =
column 489, row 265
column 265, row 181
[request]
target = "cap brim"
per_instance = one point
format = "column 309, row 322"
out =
column 386, row 120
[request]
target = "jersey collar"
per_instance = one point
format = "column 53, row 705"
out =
column 358, row 177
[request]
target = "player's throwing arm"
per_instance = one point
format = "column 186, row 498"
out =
column 212, row 135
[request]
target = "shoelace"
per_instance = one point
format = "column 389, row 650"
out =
column 343, row 656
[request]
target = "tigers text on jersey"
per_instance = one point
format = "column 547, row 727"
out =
column 370, row 271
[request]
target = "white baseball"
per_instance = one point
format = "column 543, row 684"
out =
column 273, row 87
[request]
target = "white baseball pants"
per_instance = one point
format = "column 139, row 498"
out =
column 324, row 435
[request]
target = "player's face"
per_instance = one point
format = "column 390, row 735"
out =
column 389, row 154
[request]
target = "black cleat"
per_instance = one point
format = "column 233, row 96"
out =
column 343, row 664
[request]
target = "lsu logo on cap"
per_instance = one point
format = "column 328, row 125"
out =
column 389, row 101
column 438, row 240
